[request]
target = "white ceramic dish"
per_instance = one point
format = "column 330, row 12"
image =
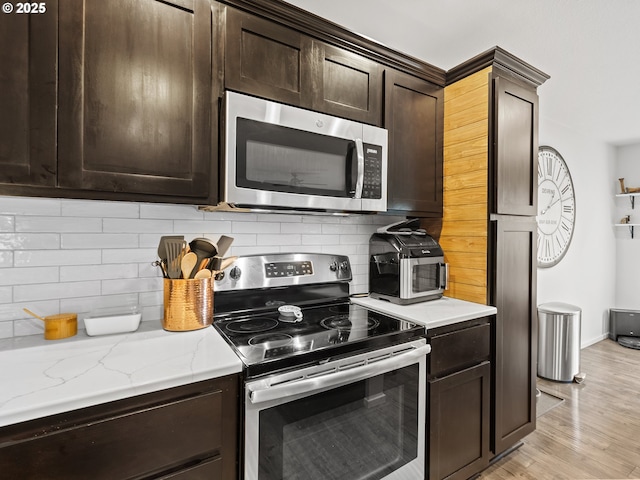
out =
column 106, row 321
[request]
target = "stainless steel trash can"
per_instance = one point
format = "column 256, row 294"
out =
column 559, row 341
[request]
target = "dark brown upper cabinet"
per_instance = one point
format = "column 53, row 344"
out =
column 28, row 98
column 346, row 84
column 515, row 131
column 272, row 61
column 135, row 97
column 268, row 60
column 413, row 114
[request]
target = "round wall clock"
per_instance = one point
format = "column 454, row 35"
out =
column 556, row 207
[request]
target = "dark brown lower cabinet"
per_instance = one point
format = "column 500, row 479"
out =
column 459, row 400
column 514, row 295
column 187, row 432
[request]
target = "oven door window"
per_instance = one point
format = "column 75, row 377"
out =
column 425, row 277
column 282, row 159
column 364, row 430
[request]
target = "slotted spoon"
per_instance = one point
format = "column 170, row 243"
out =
column 175, row 249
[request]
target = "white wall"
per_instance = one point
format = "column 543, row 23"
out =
column 586, row 276
column 627, row 249
column 60, row 255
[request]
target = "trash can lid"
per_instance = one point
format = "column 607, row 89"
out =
column 558, row 307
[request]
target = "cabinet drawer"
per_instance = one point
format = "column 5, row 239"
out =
column 459, row 349
column 125, row 445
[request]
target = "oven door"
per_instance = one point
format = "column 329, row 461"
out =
column 357, row 418
column 423, row 277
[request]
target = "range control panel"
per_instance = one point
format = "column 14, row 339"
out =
column 284, row 269
column 288, row 269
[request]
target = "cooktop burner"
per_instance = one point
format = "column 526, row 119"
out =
column 252, row 325
column 346, row 323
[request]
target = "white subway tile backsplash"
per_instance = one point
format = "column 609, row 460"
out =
column 198, row 227
column 112, row 287
column 77, row 255
column 165, row 211
column 6, row 295
column 57, row 224
column 306, row 228
column 29, row 241
column 130, row 255
column 7, row 223
column 130, row 225
column 79, row 273
column 6, row 258
column 50, row 291
column 339, row 228
column 255, row 227
column 28, row 276
column 279, row 239
column 104, row 240
column 359, row 239
column 99, row 209
column 83, row 305
column 43, row 258
column 29, row 206
column 6, row 329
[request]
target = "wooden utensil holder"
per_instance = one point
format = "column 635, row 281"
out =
column 188, row 304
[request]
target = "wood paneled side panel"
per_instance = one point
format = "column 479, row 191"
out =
column 472, row 228
column 464, row 229
column 468, row 180
column 478, row 80
column 470, row 293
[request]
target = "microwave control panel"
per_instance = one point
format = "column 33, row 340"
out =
column 372, row 187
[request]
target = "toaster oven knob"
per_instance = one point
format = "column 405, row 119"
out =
column 235, row 273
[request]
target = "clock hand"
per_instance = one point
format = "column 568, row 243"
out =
column 544, row 210
column 551, row 205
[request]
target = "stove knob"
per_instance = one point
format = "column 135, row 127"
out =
column 333, row 266
column 235, row 273
column 344, row 266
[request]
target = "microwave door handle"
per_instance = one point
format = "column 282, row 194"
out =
column 360, row 177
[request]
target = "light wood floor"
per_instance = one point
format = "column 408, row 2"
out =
column 594, row 433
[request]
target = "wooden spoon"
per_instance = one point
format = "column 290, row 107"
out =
column 188, row 264
column 204, row 273
column 34, row 314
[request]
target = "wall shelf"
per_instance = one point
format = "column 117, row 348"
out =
column 630, row 225
column 632, row 197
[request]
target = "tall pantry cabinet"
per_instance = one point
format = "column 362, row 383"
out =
column 488, row 228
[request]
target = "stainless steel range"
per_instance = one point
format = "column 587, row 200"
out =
column 333, row 390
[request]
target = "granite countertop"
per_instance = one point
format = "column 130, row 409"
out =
column 45, row 377
column 431, row 314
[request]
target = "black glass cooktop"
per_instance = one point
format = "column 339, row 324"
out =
column 268, row 342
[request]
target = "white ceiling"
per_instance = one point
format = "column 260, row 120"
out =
column 590, row 48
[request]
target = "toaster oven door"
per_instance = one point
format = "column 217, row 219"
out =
column 423, row 277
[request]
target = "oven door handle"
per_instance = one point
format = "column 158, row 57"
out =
column 262, row 392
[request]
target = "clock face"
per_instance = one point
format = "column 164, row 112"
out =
column 556, row 207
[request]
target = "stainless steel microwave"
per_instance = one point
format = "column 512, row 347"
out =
column 278, row 156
